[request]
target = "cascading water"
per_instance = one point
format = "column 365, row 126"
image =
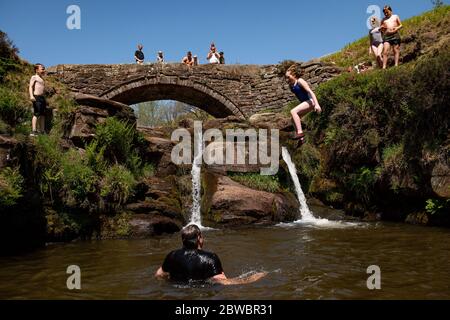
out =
column 196, row 217
column 306, row 214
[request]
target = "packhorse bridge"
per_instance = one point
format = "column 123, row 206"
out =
column 221, row 90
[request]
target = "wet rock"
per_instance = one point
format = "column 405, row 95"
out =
column 420, row 218
column 230, row 203
column 7, row 144
column 143, row 225
column 440, row 180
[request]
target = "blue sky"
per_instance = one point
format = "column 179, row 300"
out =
column 248, row 31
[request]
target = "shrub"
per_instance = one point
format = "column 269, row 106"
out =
column 13, row 107
column 120, row 143
column 361, row 183
column 117, row 184
column 258, row 182
column 78, row 179
column 437, row 207
column 11, row 183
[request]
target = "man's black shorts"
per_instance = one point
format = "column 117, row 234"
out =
column 39, row 106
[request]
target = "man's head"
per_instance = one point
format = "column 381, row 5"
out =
column 221, row 53
column 189, row 54
column 140, row 47
column 160, row 53
column 387, row 10
column 39, row 68
column 192, row 238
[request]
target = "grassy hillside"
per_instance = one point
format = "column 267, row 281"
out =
column 381, row 134
column 430, row 30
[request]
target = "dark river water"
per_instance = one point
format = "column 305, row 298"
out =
column 304, row 261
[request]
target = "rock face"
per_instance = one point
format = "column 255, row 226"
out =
column 222, row 90
column 440, row 180
column 229, row 203
column 92, row 111
column 271, row 120
column 156, row 209
column 7, row 144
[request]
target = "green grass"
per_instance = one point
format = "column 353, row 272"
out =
column 258, row 182
column 357, row 52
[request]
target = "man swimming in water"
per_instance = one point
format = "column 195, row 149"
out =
column 390, row 26
column 191, row 263
column 307, row 98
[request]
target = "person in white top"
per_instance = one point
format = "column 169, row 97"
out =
column 36, row 90
column 213, row 56
column 160, row 57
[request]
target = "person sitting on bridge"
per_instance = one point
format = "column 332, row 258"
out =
column 191, row 263
column 195, row 60
column 307, row 98
column 160, row 57
column 221, row 57
column 139, row 55
column 213, row 56
column 188, row 60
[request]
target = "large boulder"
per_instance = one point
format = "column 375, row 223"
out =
column 271, row 120
column 440, row 180
column 229, row 203
column 92, row 111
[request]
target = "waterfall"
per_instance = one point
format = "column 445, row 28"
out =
column 306, row 214
column 196, row 217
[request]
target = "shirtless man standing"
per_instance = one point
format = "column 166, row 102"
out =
column 390, row 26
column 36, row 91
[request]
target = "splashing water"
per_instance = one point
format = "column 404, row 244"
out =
column 304, row 210
column 196, row 217
column 306, row 215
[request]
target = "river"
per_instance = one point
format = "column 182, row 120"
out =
column 304, row 261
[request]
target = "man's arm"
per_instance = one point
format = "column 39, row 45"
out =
column 223, row 280
column 399, row 24
column 160, row 274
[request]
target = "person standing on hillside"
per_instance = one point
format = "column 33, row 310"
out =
column 390, row 26
column 36, row 90
column 139, row 55
column 376, row 41
column 307, row 98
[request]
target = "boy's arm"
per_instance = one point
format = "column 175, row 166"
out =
column 31, row 89
column 399, row 24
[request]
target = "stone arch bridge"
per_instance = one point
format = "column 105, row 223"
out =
column 221, row 90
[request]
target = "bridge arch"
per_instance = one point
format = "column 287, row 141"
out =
column 174, row 88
